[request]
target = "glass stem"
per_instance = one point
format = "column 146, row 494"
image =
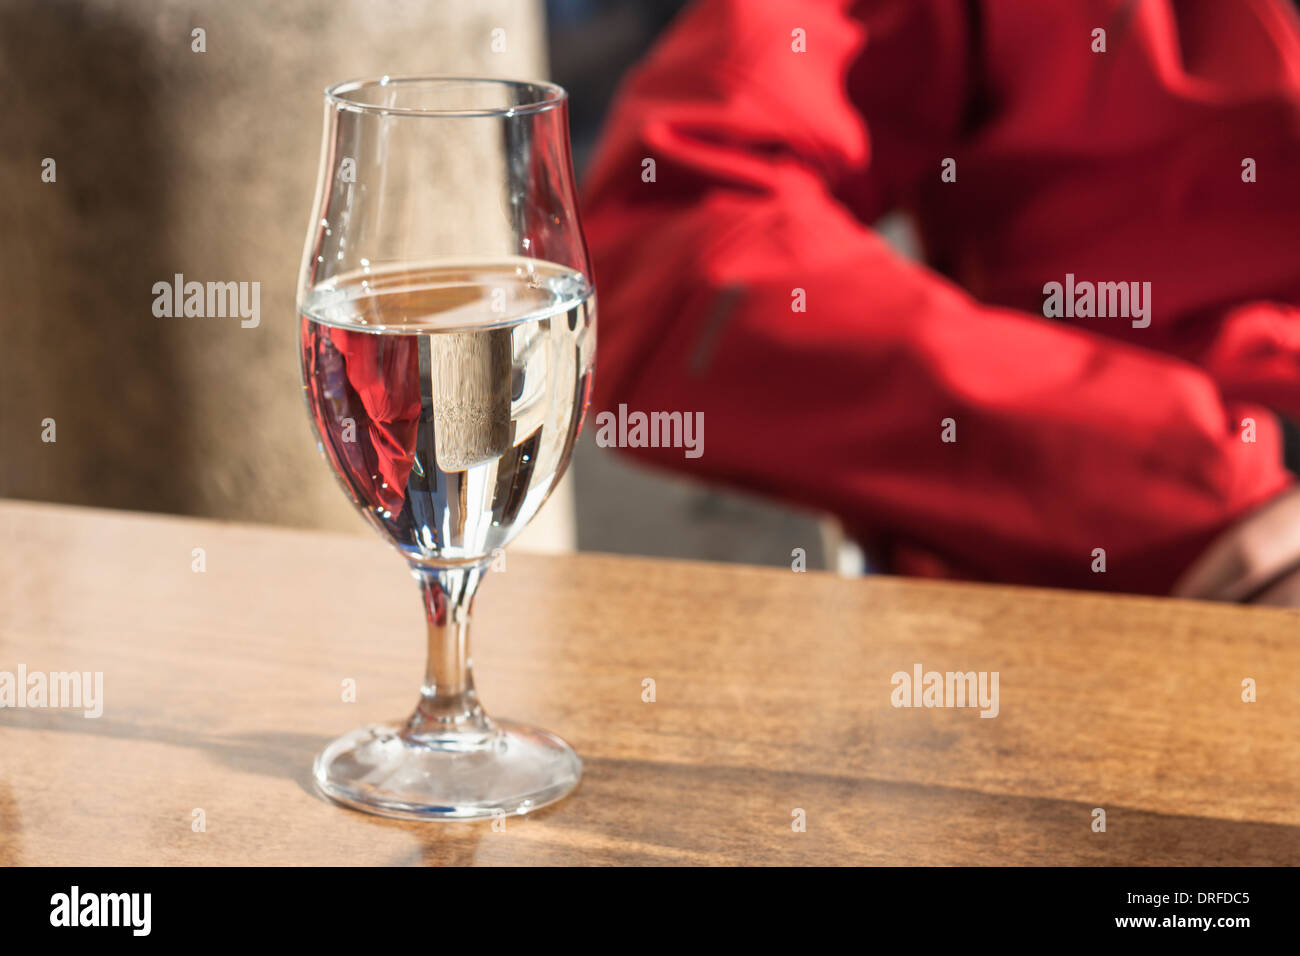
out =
column 449, row 714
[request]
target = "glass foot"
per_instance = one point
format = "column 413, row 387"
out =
column 386, row 770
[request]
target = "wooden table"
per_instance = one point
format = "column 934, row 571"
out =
column 772, row 694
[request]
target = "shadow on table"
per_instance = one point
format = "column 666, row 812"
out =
column 11, row 851
column 268, row 754
column 650, row 813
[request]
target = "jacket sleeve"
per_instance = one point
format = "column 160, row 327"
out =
column 736, row 278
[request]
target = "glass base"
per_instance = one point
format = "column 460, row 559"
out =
column 385, row 769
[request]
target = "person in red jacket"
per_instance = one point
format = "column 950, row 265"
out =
column 1000, row 413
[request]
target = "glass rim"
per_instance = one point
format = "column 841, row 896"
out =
column 552, row 95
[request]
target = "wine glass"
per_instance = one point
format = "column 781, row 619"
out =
column 448, row 341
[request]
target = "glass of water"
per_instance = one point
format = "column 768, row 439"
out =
column 448, row 337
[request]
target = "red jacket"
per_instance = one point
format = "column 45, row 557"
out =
column 770, row 166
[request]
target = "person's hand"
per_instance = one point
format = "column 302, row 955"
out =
column 1285, row 592
column 1256, row 560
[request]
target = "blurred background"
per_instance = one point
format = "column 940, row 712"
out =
column 172, row 161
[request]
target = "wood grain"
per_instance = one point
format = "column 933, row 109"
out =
column 772, row 693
